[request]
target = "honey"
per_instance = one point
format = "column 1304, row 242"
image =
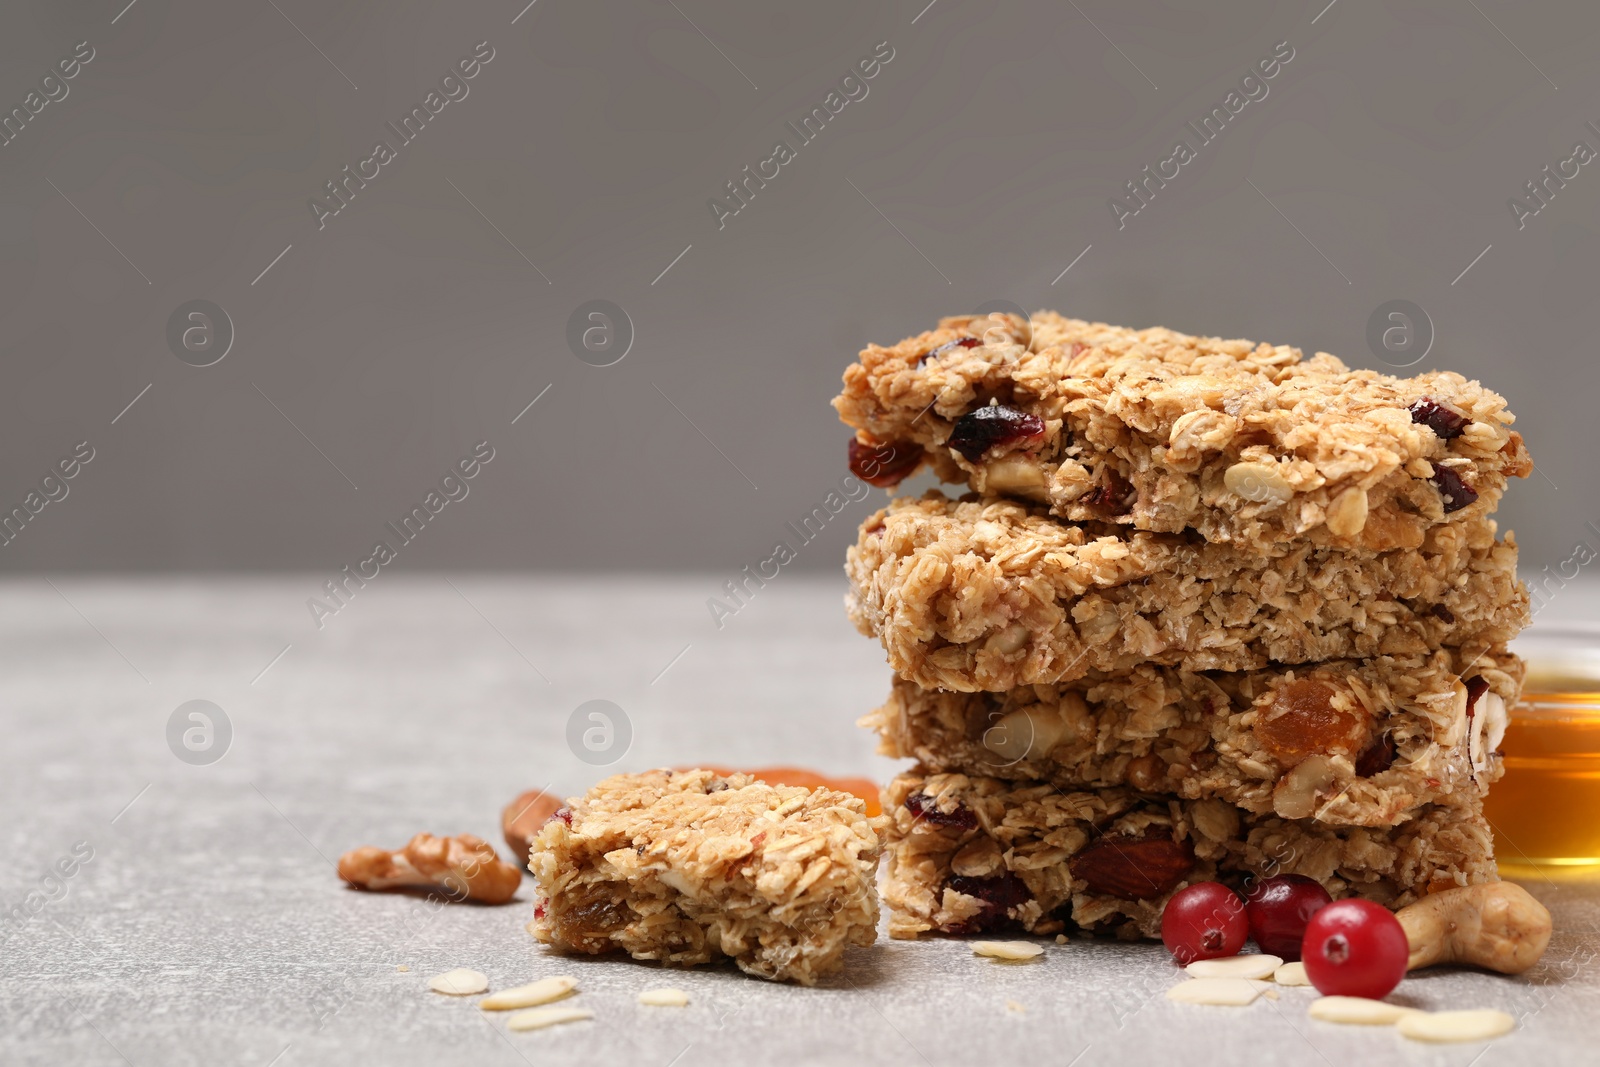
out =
column 1546, row 810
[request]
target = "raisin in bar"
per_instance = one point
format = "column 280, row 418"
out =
column 1162, row 431
column 1350, row 742
column 689, row 867
column 970, row 854
column 990, row 595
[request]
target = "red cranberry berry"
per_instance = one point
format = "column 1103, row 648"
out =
column 1457, row 493
column 1204, row 921
column 1441, row 418
column 884, row 466
column 990, row 427
column 960, row 342
column 926, row 809
column 1279, row 908
column 1355, row 948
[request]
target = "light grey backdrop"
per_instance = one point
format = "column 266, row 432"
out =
column 370, row 354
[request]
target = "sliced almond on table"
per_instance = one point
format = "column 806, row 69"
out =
column 1292, row 974
column 1359, row 1011
column 1258, row 966
column 1231, row 992
column 664, row 998
column 1012, row 951
column 1480, row 1025
column 539, row 1018
column 543, row 991
column 461, row 982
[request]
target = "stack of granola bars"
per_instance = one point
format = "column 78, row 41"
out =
column 1210, row 610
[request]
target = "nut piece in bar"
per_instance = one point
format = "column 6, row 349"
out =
column 688, row 867
column 462, row 867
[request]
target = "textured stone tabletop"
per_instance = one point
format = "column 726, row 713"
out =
column 206, row 925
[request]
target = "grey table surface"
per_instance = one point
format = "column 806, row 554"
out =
column 207, row 927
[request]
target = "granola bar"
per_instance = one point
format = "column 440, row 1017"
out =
column 990, row 595
column 1162, row 431
column 970, row 854
column 1351, row 742
column 689, row 867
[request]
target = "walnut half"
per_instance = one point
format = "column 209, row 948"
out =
column 463, row 868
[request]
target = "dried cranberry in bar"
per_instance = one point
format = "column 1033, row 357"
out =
column 1440, row 417
column 960, row 342
column 884, row 466
column 1457, row 493
column 999, row 893
column 995, row 426
column 1111, row 494
column 1378, row 757
column 926, row 809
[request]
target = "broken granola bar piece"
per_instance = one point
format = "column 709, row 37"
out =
column 688, row 867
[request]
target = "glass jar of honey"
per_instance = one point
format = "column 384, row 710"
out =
column 1546, row 810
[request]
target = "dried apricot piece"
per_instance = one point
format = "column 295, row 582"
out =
column 1312, row 715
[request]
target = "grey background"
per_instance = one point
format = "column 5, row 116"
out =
column 982, row 160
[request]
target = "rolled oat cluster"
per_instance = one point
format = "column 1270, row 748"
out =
column 1210, row 610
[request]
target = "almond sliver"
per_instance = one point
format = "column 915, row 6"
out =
column 1359, row 1011
column 664, row 998
column 1233, row 992
column 1259, row 966
column 1007, row 950
column 1292, row 974
column 539, row 1018
column 1480, row 1025
column 531, row 995
column 461, row 982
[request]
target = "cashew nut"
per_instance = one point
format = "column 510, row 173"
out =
column 1498, row 926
